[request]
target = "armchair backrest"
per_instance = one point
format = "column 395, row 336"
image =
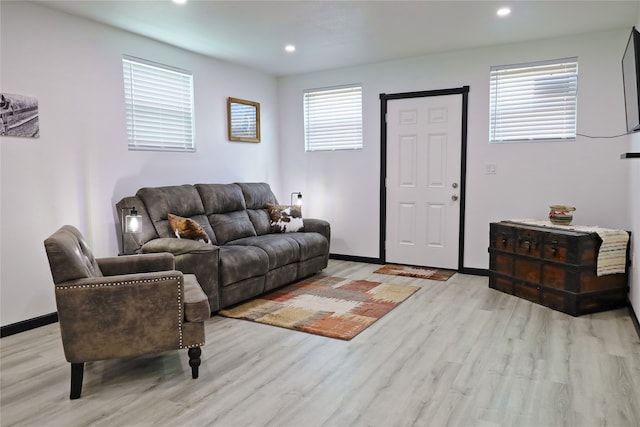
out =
column 70, row 258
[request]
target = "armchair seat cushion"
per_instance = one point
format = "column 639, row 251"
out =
column 196, row 303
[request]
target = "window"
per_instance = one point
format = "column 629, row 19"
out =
column 159, row 104
column 534, row 102
column 333, row 118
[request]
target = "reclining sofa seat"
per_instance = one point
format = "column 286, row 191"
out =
column 245, row 259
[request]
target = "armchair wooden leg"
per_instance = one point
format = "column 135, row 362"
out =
column 194, row 360
column 77, row 372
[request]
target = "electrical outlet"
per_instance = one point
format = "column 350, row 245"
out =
column 490, row 169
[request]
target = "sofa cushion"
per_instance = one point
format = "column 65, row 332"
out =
column 231, row 226
column 281, row 251
column 186, row 228
column 181, row 200
column 175, row 246
column 256, row 196
column 311, row 244
column 260, row 220
column 285, row 218
column 221, row 198
column 241, row 262
column 226, row 211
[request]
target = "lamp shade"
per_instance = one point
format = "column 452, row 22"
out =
column 296, row 198
column 130, row 223
column 133, row 222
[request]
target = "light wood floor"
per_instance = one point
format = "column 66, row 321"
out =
column 456, row 353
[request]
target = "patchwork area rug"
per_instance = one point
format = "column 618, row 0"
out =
column 419, row 272
column 324, row 305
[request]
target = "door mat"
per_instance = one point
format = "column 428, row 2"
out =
column 324, row 305
column 419, row 272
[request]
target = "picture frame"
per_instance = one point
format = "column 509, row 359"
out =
column 243, row 120
column 19, row 115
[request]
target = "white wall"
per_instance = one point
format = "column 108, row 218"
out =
column 343, row 187
column 634, row 213
column 80, row 166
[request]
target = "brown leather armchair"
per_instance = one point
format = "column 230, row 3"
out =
column 122, row 306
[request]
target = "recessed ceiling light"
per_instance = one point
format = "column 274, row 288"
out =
column 179, row 1
column 503, row 11
column 290, row 48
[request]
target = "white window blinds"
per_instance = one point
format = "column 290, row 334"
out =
column 533, row 102
column 333, row 118
column 159, row 106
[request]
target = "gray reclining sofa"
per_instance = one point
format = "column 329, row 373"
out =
column 244, row 257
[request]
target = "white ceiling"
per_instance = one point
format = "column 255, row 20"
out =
column 333, row 34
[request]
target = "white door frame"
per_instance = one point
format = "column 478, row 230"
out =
column 384, row 98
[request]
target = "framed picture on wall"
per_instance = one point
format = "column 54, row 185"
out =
column 19, row 115
column 243, row 120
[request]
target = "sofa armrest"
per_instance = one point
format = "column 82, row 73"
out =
column 129, row 264
column 319, row 226
column 192, row 257
column 176, row 246
column 204, row 265
column 102, row 317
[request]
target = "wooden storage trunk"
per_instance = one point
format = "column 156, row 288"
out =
column 554, row 267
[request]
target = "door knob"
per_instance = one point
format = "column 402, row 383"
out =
column 454, row 185
column 454, row 197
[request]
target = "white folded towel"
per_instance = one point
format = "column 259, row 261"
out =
column 612, row 256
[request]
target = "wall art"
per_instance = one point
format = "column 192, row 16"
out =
column 243, row 120
column 19, row 115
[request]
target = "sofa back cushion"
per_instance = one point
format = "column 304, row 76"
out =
column 225, row 208
column 256, row 196
column 181, row 200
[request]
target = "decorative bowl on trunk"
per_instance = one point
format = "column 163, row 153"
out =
column 561, row 214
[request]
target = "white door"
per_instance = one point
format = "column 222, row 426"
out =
column 424, row 145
